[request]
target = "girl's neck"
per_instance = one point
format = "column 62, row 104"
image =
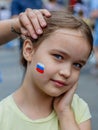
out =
column 34, row 105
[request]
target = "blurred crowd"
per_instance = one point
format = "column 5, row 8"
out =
column 86, row 9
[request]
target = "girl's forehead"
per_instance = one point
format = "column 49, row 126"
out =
column 62, row 37
column 69, row 41
column 69, row 32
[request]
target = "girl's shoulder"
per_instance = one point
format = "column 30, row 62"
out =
column 80, row 109
column 4, row 103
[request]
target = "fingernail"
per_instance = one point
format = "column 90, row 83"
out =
column 34, row 36
column 39, row 31
column 44, row 24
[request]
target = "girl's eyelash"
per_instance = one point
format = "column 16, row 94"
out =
column 78, row 65
column 58, row 56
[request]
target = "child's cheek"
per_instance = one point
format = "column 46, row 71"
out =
column 40, row 68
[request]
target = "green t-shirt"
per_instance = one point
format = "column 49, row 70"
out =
column 11, row 118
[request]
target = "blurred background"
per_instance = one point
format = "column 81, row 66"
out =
column 11, row 72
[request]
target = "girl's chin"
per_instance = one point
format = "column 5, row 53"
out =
column 55, row 94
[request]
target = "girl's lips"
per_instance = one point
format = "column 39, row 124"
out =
column 58, row 83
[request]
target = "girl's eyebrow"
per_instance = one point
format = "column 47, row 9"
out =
column 67, row 54
column 60, row 51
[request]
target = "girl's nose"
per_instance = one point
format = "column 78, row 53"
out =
column 66, row 71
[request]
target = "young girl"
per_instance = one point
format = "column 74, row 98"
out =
column 46, row 100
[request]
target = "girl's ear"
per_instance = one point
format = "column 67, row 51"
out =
column 28, row 50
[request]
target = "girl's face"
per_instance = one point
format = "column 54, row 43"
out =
column 63, row 55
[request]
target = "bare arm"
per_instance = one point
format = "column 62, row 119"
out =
column 5, row 30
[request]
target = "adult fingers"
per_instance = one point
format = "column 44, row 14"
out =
column 43, row 12
column 37, row 18
column 34, row 16
column 34, row 21
column 39, row 15
column 24, row 31
column 27, row 25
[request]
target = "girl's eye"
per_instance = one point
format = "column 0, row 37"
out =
column 78, row 65
column 59, row 57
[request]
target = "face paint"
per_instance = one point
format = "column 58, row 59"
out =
column 40, row 68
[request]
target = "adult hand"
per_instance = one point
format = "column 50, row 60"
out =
column 32, row 22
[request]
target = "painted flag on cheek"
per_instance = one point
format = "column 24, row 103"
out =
column 40, row 68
